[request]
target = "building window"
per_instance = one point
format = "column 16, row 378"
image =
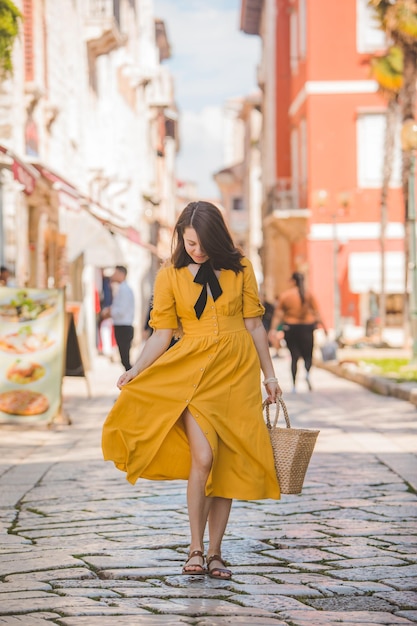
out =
column 303, row 158
column 170, row 128
column 370, row 151
column 303, row 28
column 295, row 167
column 116, row 11
column 369, row 37
column 294, row 41
column 237, row 204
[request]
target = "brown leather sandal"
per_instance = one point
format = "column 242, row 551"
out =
column 220, row 573
column 194, row 572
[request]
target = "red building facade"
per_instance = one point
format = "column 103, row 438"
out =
column 327, row 129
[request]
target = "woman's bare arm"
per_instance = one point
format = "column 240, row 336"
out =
column 255, row 327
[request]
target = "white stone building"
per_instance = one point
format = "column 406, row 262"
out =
column 88, row 139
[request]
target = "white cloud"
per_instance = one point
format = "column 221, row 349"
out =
column 201, row 148
column 212, row 60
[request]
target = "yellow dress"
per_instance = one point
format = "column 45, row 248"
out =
column 214, row 371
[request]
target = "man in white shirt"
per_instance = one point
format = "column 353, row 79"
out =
column 122, row 313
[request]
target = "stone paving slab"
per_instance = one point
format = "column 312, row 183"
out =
column 145, row 620
column 410, row 615
column 274, row 603
column 402, row 584
column 163, row 620
column 346, row 618
column 39, row 560
column 346, row 588
column 406, row 599
column 52, row 602
column 377, row 573
column 351, row 603
column 224, row 621
column 40, row 619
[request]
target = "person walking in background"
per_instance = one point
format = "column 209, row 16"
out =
column 122, row 311
column 107, row 340
column 299, row 314
column 4, row 276
column 194, row 412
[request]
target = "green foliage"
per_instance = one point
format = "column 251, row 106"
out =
column 388, row 70
column 399, row 20
column 10, row 17
column 395, row 369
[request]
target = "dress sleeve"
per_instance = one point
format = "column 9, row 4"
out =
column 163, row 313
column 252, row 306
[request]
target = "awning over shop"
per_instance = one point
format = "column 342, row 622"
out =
column 68, row 196
column 90, row 227
column 24, row 173
column 365, row 272
column 86, row 234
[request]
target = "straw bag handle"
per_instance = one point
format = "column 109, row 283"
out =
column 279, row 403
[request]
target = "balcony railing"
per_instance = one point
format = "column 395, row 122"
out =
column 281, row 197
column 103, row 32
column 160, row 90
column 101, row 9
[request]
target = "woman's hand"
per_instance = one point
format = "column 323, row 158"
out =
column 274, row 391
column 126, row 377
column 156, row 345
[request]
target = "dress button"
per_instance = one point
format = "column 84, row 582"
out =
column 201, row 369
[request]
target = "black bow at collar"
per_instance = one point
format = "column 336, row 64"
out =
column 206, row 275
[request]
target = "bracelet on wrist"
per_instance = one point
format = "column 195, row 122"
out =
column 270, row 380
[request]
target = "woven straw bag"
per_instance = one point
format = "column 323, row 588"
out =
column 292, row 448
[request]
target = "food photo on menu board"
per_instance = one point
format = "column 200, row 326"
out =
column 32, row 349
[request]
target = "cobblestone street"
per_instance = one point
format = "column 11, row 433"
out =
column 81, row 546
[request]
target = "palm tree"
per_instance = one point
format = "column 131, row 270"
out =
column 10, row 17
column 387, row 70
column 398, row 18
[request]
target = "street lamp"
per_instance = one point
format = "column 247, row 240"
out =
column 409, row 144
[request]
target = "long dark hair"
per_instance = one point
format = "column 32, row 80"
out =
column 298, row 278
column 215, row 239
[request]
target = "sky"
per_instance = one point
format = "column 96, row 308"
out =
column 212, row 60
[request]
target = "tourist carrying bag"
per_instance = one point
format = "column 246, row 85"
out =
column 292, row 448
column 329, row 351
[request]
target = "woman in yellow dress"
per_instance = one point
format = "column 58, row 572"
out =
column 194, row 412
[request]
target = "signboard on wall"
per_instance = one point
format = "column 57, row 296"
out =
column 32, row 348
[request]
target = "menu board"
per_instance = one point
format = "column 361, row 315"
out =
column 31, row 353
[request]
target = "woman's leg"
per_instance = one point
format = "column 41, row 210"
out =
column 306, row 343
column 291, row 339
column 217, row 521
column 197, row 501
column 201, row 507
